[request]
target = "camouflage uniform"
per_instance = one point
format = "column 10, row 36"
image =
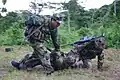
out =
column 40, row 54
column 88, row 52
column 54, row 33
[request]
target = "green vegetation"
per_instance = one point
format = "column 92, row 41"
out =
column 83, row 22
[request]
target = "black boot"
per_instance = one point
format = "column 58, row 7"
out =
column 15, row 64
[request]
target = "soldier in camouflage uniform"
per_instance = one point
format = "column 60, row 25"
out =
column 36, row 34
column 80, row 56
column 88, row 52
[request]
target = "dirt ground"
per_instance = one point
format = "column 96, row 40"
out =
column 111, row 70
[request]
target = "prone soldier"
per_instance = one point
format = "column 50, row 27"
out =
column 89, row 51
column 81, row 55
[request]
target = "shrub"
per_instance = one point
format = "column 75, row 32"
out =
column 12, row 36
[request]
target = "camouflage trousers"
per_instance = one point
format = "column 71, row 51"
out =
column 83, row 64
column 77, row 61
column 40, row 56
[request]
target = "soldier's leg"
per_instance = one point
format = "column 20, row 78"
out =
column 78, row 64
column 20, row 64
column 87, row 63
column 40, row 56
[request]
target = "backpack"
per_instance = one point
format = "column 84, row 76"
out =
column 34, row 20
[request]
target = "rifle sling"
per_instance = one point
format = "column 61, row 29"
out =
column 35, row 31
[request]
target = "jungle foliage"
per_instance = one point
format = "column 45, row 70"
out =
column 82, row 23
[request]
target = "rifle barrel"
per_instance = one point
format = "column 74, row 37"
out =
column 83, row 41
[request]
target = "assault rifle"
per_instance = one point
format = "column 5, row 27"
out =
column 83, row 40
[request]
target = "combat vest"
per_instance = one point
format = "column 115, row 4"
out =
column 40, row 26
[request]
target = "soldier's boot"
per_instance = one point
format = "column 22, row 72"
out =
column 15, row 64
column 25, row 65
column 18, row 65
column 34, row 62
column 28, row 62
column 21, row 64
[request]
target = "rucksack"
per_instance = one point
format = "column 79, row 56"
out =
column 34, row 20
column 39, row 23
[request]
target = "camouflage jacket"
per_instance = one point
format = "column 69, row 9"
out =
column 91, row 50
column 37, row 28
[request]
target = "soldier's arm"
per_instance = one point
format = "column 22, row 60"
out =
column 100, row 61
